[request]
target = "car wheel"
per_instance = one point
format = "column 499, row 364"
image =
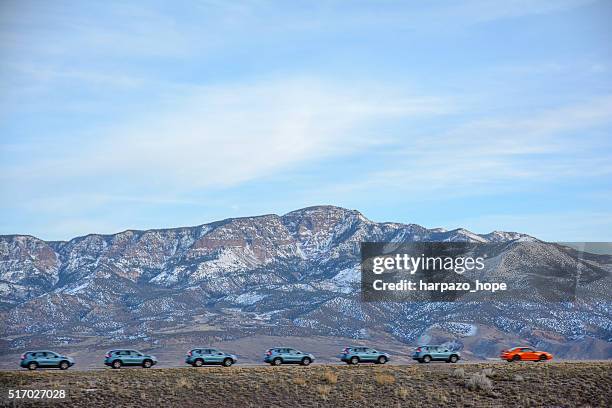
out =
column 382, row 360
column 32, row 366
column 426, row 359
column 354, row 360
column 516, row 358
column 116, row 364
column 64, row 365
column 453, row 359
column 198, row 363
column 277, row 361
column 543, row 357
column 228, row 362
column 147, row 364
column 306, row 361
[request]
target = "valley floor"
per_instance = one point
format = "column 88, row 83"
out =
column 559, row 384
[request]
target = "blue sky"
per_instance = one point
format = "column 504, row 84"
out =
column 479, row 114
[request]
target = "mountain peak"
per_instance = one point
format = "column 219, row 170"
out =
column 323, row 209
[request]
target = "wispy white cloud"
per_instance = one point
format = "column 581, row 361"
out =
column 495, row 155
column 127, row 107
column 220, row 136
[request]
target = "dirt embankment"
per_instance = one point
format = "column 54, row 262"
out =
column 562, row 384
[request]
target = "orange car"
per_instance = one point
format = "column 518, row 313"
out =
column 525, row 354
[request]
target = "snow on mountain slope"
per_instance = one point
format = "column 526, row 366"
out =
column 296, row 274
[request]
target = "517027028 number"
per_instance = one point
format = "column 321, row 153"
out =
column 36, row 394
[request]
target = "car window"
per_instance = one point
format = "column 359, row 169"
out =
column 213, row 351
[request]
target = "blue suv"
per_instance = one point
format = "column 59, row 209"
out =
column 118, row 358
column 285, row 355
column 425, row 354
column 356, row 355
column 45, row 359
column 199, row 356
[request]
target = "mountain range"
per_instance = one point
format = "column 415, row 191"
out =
column 295, row 275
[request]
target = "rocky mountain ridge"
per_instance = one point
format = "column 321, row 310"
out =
column 296, row 274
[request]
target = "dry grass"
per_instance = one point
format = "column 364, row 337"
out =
column 301, row 381
column 384, row 379
column 323, row 390
column 479, row 382
column 184, row 383
column 402, row 392
column 330, row 377
column 584, row 384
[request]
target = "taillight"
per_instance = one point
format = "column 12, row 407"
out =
column 23, row 356
column 269, row 353
column 345, row 351
column 418, row 349
column 107, row 355
column 190, row 354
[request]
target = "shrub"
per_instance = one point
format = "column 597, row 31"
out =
column 384, row 379
column 183, row 382
column 479, row 382
column 402, row 392
column 299, row 381
column 459, row 373
column 330, row 377
column 323, row 390
column 488, row 372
